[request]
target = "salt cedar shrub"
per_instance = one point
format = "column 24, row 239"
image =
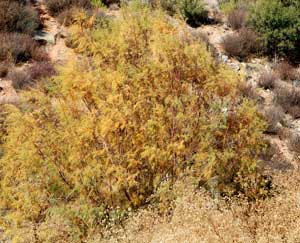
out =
column 16, row 17
column 55, row 7
column 140, row 109
column 242, row 45
column 278, row 22
column 237, row 18
column 17, row 48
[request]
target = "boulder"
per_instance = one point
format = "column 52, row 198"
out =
column 44, row 37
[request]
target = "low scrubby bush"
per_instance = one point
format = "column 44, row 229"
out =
column 55, row 7
column 242, row 44
column 267, row 80
column 274, row 115
column 27, row 77
column 285, row 71
column 41, row 70
column 294, row 142
column 20, row 78
column 289, row 98
column 17, row 47
column 67, row 17
column 247, row 90
column 237, row 18
column 16, row 17
column 170, row 6
column 194, row 12
column 4, row 67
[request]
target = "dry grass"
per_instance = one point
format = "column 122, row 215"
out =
column 267, row 80
column 199, row 218
column 274, row 115
column 289, row 98
column 237, row 18
column 286, row 71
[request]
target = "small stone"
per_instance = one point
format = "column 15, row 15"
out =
column 43, row 36
column 234, row 66
column 224, row 58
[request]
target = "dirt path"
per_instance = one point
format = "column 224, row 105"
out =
column 56, row 48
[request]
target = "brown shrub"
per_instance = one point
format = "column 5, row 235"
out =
column 66, row 17
column 55, row 7
column 247, row 90
column 20, row 78
column 289, row 98
column 273, row 115
column 41, row 70
column 294, row 142
column 242, row 44
column 237, row 18
column 15, row 17
column 286, row 71
column 267, row 80
column 20, row 48
column 4, row 66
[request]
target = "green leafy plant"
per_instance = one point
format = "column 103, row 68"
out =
column 194, row 12
column 279, row 25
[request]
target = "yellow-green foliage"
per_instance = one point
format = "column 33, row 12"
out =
column 144, row 104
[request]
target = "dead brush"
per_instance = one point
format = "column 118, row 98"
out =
column 274, row 115
column 286, row 71
column 294, row 142
column 267, row 80
column 289, row 98
column 241, row 45
column 247, row 90
column 237, row 18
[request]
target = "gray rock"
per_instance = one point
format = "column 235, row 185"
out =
column 234, row 66
column 44, row 37
column 224, row 58
column 296, row 82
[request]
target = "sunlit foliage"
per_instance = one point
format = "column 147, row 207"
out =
column 143, row 104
